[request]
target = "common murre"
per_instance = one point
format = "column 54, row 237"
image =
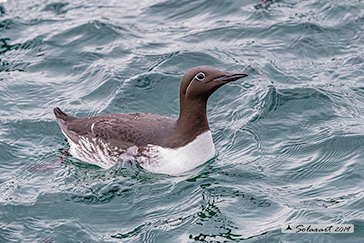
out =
column 158, row 143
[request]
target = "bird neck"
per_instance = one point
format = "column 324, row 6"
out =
column 192, row 119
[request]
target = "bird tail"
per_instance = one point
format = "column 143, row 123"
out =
column 63, row 119
column 60, row 115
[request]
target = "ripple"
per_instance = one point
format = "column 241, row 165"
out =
column 2, row 10
column 326, row 161
column 288, row 137
column 96, row 32
column 8, row 24
column 57, row 7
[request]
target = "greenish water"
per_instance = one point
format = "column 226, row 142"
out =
column 289, row 137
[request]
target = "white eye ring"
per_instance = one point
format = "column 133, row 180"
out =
column 200, row 76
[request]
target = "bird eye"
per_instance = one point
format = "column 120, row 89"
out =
column 200, row 76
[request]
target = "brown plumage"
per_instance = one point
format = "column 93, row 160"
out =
column 123, row 131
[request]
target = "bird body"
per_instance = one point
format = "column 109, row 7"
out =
column 158, row 143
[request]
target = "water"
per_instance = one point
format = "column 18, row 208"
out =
column 289, row 137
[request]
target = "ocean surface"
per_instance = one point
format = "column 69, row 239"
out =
column 289, row 138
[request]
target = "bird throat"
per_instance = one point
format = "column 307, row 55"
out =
column 192, row 120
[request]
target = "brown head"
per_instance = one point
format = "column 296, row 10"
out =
column 198, row 84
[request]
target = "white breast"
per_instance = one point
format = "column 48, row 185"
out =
column 177, row 161
column 155, row 159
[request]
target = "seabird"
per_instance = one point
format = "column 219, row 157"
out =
column 158, row 143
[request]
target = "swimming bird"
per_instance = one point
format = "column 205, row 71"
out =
column 158, row 143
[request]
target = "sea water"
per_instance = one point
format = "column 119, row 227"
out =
column 289, row 138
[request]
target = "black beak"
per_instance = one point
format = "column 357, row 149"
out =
column 231, row 76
